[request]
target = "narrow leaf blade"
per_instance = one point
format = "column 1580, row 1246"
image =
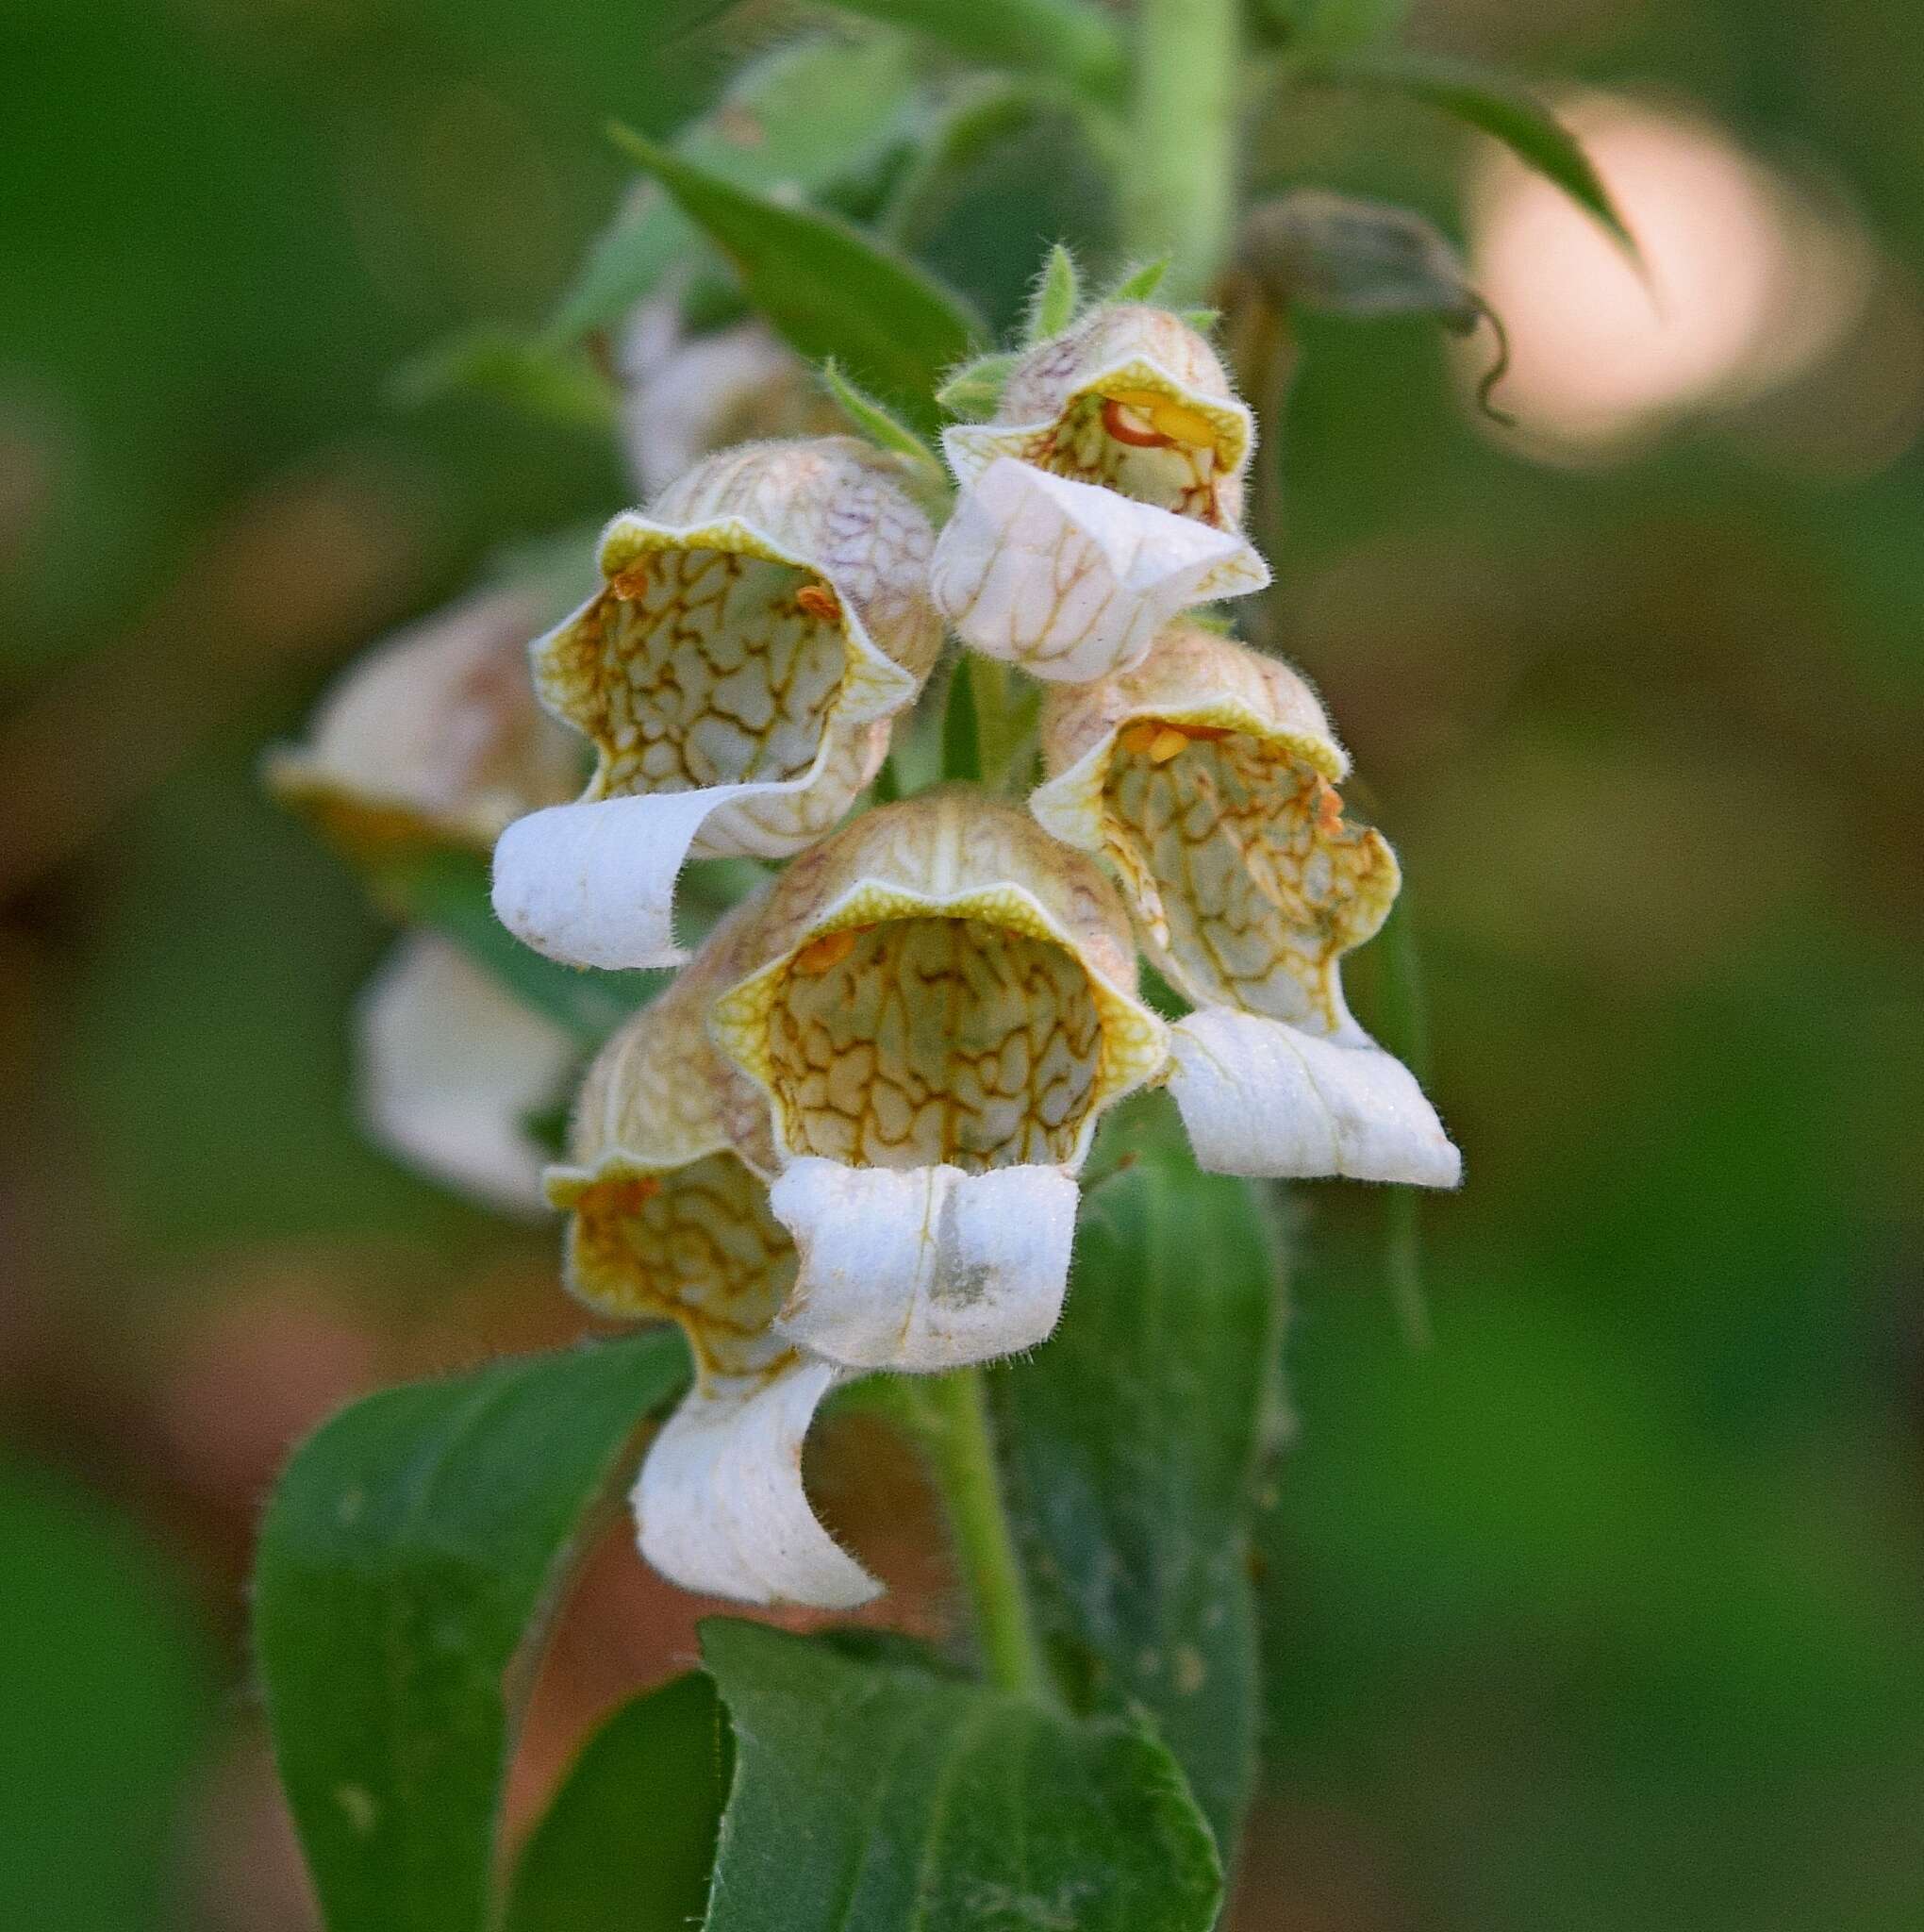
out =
column 1135, row 1437
column 870, row 1795
column 413, row 1549
column 827, row 287
column 629, row 1838
column 1070, row 39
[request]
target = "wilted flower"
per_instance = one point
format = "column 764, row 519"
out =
column 939, row 1002
column 1104, row 498
column 433, row 735
column 449, row 1068
column 685, row 395
column 1207, row 777
column 666, row 1181
column 757, row 630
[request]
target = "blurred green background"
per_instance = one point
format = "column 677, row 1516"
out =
column 1604, row 1610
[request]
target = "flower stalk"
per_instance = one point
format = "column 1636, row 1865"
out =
column 960, row 1442
column 1179, row 188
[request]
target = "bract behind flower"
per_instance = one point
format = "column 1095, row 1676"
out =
column 1206, row 778
column 942, row 1003
column 665, row 1182
column 756, row 630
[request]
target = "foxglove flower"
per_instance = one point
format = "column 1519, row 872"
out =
column 1207, row 777
column 1104, row 499
column 433, row 736
column 757, row 630
column 666, row 1184
column 449, row 1068
column 684, row 396
column 939, row 1002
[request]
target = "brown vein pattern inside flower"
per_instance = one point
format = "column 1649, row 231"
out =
column 1247, row 877
column 704, row 667
column 916, row 1042
column 698, row 1244
column 1141, row 445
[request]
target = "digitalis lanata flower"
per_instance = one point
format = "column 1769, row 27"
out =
column 1207, row 777
column 940, row 1002
column 756, row 630
column 666, row 1181
column 1104, row 498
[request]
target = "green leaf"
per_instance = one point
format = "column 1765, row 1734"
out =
column 414, row 1549
column 872, row 1796
column 1070, row 39
column 884, row 430
column 447, row 888
column 976, row 388
column 556, row 386
column 1058, row 293
column 961, row 729
column 1331, row 26
column 1134, row 1439
column 799, row 120
column 1139, row 285
column 828, row 288
column 1497, row 105
column 630, row 1838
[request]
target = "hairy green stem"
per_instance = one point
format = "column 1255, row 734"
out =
column 1178, row 186
column 961, row 1448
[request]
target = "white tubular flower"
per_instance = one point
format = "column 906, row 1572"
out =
column 1207, row 777
column 1104, row 499
column 666, row 1183
column 448, row 1069
column 757, row 630
column 941, row 1003
column 684, row 396
column 432, row 736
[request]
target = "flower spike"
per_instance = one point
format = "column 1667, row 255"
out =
column 1207, row 778
column 666, row 1182
column 1104, row 499
column 942, row 1003
column 756, row 631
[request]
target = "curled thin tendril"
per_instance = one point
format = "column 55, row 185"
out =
column 1497, row 369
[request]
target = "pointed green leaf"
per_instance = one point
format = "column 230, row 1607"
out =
column 961, row 734
column 1140, row 284
column 976, row 388
column 800, row 119
column 414, row 1550
column 872, row 1796
column 828, row 288
column 1134, row 1439
column 1497, row 105
column 558, row 386
column 1058, row 293
column 629, row 1838
column 884, row 430
column 1072, row 39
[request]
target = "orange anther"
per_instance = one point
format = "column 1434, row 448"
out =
column 817, row 600
column 1329, row 808
column 829, row 950
column 1168, row 741
column 1137, row 739
column 630, row 583
column 634, row 1193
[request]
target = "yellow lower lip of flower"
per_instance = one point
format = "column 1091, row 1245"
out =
column 904, row 1031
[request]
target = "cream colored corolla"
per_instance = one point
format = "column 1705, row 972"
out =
column 756, row 631
column 938, row 1003
column 1104, row 499
column 1207, row 778
column 667, row 1183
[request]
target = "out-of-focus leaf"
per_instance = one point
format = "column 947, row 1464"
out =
column 795, row 122
column 559, row 386
column 1070, row 39
column 447, row 888
column 414, row 1550
column 1497, row 105
column 102, row 1714
column 1357, row 258
column 828, row 288
column 973, row 123
column 1334, row 26
column 630, row 1838
column 961, row 728
column 870, row 1795
column 1134, row 1439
